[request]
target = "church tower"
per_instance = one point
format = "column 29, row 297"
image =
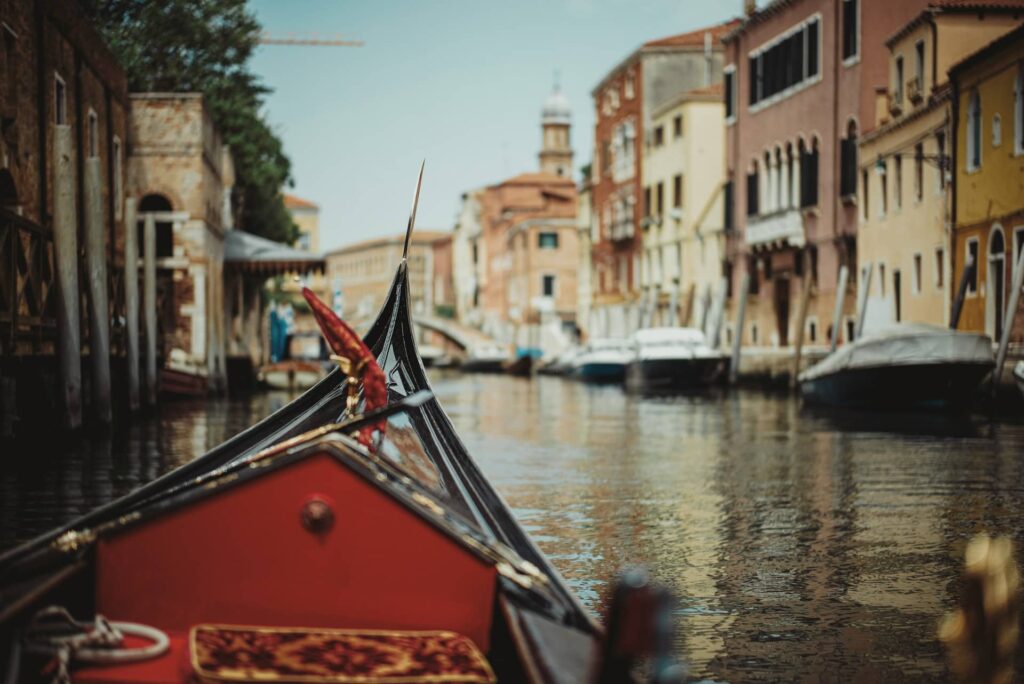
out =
column 555, row 152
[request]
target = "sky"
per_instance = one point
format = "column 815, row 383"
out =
column 459, row 83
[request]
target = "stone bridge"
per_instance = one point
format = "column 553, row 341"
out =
column 462, row 336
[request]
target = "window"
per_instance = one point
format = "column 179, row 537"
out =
column 897, row 293
column 897, row 182
column 940, row 268
column 848, row 162
column 647, row 201
column 850, row 329
column 753, row 333
column 629, row 89
column 659, row 199
column 677, row 191
column 897, row 88
column 659, row 136
column 1018, row 111
column 917, row 274
column 883, row 177
column 752, row 192
column 812, row 330
column 850, row 28
column 919, row 171
column 730, row 93
column 93, row 143
column 864, row 192
column 118, row 176
column 919, row 63
column 809, row 175
column 997, row 130
column 881, row 279
column 547, row 240
column 730, row 197
column 755, row 284
column 677, row 126
column 972, row 255
column 548, row 285
column 974, row 131
column 785, row 62
column 60, row 101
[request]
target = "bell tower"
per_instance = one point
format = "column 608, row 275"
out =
column 555, row 152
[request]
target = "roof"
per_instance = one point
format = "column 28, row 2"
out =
column 711, row 93
column 938, row 7
column 260, row 255
column 418, row 236
column 1004, row 41
column 294, row 202
column 692, row 40
column 537, row 178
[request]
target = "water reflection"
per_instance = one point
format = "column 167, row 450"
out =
column 803, row 545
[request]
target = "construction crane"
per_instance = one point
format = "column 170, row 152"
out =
column 314, row 39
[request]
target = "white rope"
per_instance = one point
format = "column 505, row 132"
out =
column 54, row 632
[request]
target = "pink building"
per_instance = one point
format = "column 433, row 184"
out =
column 800, row 81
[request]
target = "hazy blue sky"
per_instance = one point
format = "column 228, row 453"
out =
column 457, row 82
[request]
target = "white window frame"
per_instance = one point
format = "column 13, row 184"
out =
column 804, row 83
column 855, row 57
column 732, row 94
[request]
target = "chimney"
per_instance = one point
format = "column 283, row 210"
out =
column 749, row 7
column 708, row 58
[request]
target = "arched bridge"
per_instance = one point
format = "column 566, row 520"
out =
column 461, row 335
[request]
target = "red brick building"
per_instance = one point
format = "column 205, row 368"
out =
column 624, row 103
column 800, row 85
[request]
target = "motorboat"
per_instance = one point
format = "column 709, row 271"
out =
column 602, row 360
column 908, row 365
column 347, row 537
column 561, row 364
column 180, row 378
column 669, row 359
column 485, row 358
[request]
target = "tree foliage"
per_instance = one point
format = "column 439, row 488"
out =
column 205, row 46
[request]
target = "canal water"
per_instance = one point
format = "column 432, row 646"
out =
column 802, row 545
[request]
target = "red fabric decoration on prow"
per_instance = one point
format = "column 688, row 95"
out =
column 344, row 342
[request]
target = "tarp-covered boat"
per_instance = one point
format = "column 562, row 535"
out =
column 672, row 359
column 295, row 546
column 909, row 365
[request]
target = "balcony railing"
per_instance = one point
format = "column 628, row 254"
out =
column 785, row 226
column 622, row 230
column 896, row 103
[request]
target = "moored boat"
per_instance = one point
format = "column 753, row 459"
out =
column 180, row 378
column 352, row 524
column 487, row 358
column 671, row 359
column 602, row 361
column 909, row 365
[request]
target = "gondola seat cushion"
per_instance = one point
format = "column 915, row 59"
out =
column 263, row 654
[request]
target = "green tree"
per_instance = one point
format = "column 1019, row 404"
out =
column 205, row 46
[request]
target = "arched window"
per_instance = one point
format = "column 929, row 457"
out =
column 997, row 280
column 753, row 190
column 974, row 131
column 790, row 179
column 848, row 161
column 809, row 175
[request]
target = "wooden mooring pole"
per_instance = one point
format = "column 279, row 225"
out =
column 805, row 301
column 862, row 304
column 1011, row 311
column 837, row 311
column 737, row 339
column 99, row 310
column 961, row 294
column 149, row 303
column 131, row 299
column 65, row 247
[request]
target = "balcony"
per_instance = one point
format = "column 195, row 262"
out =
column 914, row 89
column 896, row 103
column 785, row 228
column 622, row 230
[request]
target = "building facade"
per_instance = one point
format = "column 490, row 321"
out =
column 905, row 195
column 988, row 208
column 683, row 232
column 182, row 175
column 364, row 272
column 63, row 144
column 625, row 102
column 468, row 260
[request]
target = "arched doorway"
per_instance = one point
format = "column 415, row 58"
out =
column 997, row 282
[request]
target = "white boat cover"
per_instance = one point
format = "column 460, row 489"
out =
column 671, row 343
column 905, row 344
column 607, row 350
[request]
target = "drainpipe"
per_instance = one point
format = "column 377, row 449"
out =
column 951, row 143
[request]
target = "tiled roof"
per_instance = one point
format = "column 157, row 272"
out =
column 293, row 202
column 694, row 38
column 538, row 178
column 977, row 4
column 418, row 237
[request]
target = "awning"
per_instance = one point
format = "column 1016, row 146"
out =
column 253, row 254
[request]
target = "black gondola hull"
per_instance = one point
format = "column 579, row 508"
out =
column 672, row 375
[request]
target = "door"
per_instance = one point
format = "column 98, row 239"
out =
column 781, row 288
column 897, row 293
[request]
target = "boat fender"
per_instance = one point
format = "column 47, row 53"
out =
column 54, row 632
column 317, row 514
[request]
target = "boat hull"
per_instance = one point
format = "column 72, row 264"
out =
column 667, row 375
column 180, row 383
column 898, row 386
column 601, row 372
column 483, row 366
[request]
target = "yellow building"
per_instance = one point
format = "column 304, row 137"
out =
column 904, row 165
column 683, row 177
column 988, row 207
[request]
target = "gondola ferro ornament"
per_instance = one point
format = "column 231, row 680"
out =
column 358, row 364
